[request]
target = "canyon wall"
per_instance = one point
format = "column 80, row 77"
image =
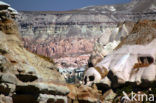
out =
column 72, row 34
column 27, row 77
column 60, row 36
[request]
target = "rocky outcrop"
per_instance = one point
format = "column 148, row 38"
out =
column 30, row 78
column 106, row 43
column 127, row 33
column 142, row 33
column 130, row 65
column 24, row 76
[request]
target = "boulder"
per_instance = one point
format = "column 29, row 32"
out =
column 8, row 78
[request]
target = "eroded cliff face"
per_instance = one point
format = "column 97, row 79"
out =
column 24, row 76
column 108, row 43
column 73, row 33
column 60, row 35
column 29, row 78
column 73, row 48
column 129, row 65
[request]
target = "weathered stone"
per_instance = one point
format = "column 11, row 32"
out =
column 84, row 94
column 44, row 98
column 38, row 79
column 109, row 41
column 53, row 88
column 6, row 88
column 2, row 62
column 27, row 73
column 3, row 5
column 73, row 33
column 8, row 78
column 24, row 75
column 5, row 99
column 109, row 96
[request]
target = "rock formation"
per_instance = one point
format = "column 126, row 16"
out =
column 24, row 76
column 71, row 34
column 105, row 44
column 124, row 58
column 130, row 65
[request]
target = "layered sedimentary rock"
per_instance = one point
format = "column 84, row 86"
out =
column 73, row 33
column 29, row 78
column 60, row 37
column 24, row 76
column 69, row 52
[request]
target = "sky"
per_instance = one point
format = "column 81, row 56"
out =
column 57, row 5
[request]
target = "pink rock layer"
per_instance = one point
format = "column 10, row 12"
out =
column 68, row 52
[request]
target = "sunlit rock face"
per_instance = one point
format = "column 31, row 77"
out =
column 130, row 66
column 133, row 60
column 105, row 44
column 73, row 33
column 29, row 78
column 24, row 76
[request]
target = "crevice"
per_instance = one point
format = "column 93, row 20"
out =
column 26, row 78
